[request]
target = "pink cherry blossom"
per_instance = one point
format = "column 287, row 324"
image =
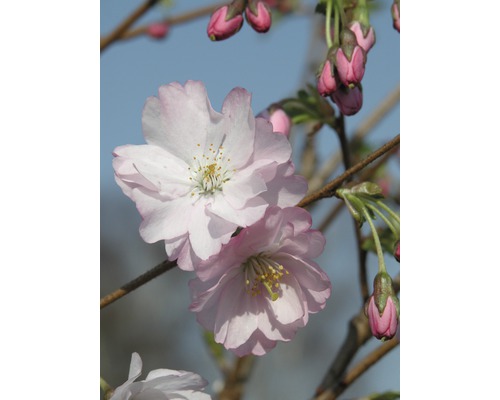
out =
column 262, row 286
column 160, row 384
column 385, row 325
column 203, row 174
column 220, row 27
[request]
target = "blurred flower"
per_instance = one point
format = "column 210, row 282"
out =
column 263, row 285
column 348, row 100
column 160, row 384
column 203, row 174
column 395, row 15
column 397, row 251
column 327, row 81
column 224, row 23
column 158, row 30
column 364, row 36
column 258, row 15
column 279, row 118
column 383, row 324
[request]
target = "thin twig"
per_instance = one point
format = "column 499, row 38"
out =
column 359, row 369
column 329, row 189
column 358, row 334
column 137, row 282
column 175, row 20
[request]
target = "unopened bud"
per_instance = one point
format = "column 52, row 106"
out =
column 258, row 15
column 364, row 36
column 327, row 81
column 224, row 23
column 281, row 121
column 397, row 251
column 383, row 325
column 349, row 101
column 395, row 15
column 158, row 30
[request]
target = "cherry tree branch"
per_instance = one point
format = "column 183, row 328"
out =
column 138, row 282
column 175, row 20
column 329, row 189
column 127, row 23
column 359, row 369
column 358, row 334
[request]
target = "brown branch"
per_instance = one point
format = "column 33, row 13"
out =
column 137, row 282
column 127, row 23
column 171, row 21
column 359, row 369
column 358, row 334
column 235, row 381
column 329, row 189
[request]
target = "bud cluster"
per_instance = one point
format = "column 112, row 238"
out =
column 344, row 67
column 228, row 19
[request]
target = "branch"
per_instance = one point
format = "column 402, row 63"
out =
column 359, row 369
column 137, row 282
column 171, row 21
column 329, row 189
column 127, row 23
column 358, row 334
column 235, row 381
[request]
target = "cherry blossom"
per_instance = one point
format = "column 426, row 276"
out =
column 262, row 286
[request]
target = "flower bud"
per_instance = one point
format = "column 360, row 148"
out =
column 158, row 30
column 395, row 15
column 349, row 101
column 327, row 81
column 382, row 324
column 258, row 16
column 350, row 59
column 397, row 251
column 382, row 308
column 224, row 23
column 279, row 118
column 364, row 36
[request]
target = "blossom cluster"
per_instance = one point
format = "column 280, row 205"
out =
column 219, row 189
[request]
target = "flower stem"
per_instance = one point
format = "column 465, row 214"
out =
column 391, row 213
column 376, row 239
column 384, row 218
column 340, row 12
column 328, row 36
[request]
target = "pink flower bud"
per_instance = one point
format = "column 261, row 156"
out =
column 365, row 41
column 349, row 101
column 158, row 30
column 327, row 82
column 395, row 15
column 350, row 71
column 221, row 25
column 281, row 121
column 258, row 16
column 397, row 251
column 383, row 325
